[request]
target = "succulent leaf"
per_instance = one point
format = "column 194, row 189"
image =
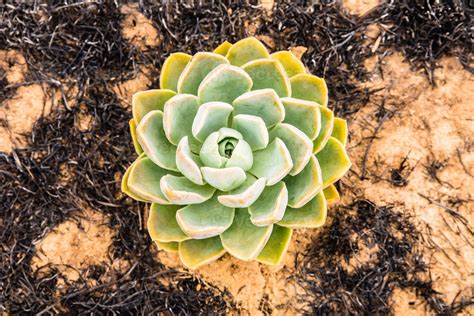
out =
column 144, row 181
column 133, row 133
column 224, row 83
column 246, row 194
column 270, row 206
column 188, row 163
column 195, row 253
column 273, row 162
column 334, row 161
column 330, row 193
column 305, row 185
column 124, row 184
column 210, row 117
column 311, row 215
column 292, row 65
column 224, row 179
column 310, row 88
column 236, row 150
column 304, row 115
column 171, row 246
column 340, row 131
column 299, row 145
column 241, row 156
column 162, row 224
column 243, row 239
column 262, row 103
column 144, row 102
column 276, row 247
column 327, row 124
column 155, row 144
column 205, row 220
column 246, row 50
column 268, row 73
column 223, row 48
column 178, row 115
column 181, row 191
column 209, row 153
column 196, row 70
column 172, row 69
column 253, row 130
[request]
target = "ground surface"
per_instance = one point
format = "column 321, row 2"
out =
column 412, row 151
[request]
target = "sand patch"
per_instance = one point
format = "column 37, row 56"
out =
column 137, row 29
column 405, row 302
column 360, row 7
column 425, row 125
column 14, row 65
column 73, row 246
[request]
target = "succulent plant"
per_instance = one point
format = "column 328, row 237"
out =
column 236, row 150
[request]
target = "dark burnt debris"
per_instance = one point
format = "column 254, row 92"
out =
column 333, row 288
column 77, row 44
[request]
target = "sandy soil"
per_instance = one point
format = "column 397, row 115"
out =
column 431, row 127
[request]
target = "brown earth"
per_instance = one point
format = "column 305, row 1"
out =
column 431, row 127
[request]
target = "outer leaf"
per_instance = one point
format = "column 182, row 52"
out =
column 305, row 185
column 268, row 73
column 124, row 184
column 243, row 239
column 246, row 50
column 253, row 130
column 225, row 179
column 210, row 117
column 144, row 181
column 340, row 130
column 197, row 69
column 299, row 145
column 195, row 253
column 276, row 246
column 171, row 246
column 310, row 88
column 223, row 48
column 172, row 69
column 178, row 116
column 144, row 102
column 304, row 115
column 334, row 161
column 327, row 124
column 246, row 194
column 188, row 163
column 152, row 138
column 181, row 191
column 224, row 83
column 133, row 132
column 273, row 162
column 270, row 206
column 262, row 103
column 162, row 224
column 293, row 66
column 312, row 215
column 330, row 193
column 205, row 220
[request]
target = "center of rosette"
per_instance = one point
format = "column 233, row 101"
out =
column 226, row 148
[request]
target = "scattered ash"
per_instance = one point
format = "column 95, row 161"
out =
column 81, row 45
column 5, row 92
column 333, row 288
column 426, row 31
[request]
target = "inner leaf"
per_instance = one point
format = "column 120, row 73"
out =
column 226, row 146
